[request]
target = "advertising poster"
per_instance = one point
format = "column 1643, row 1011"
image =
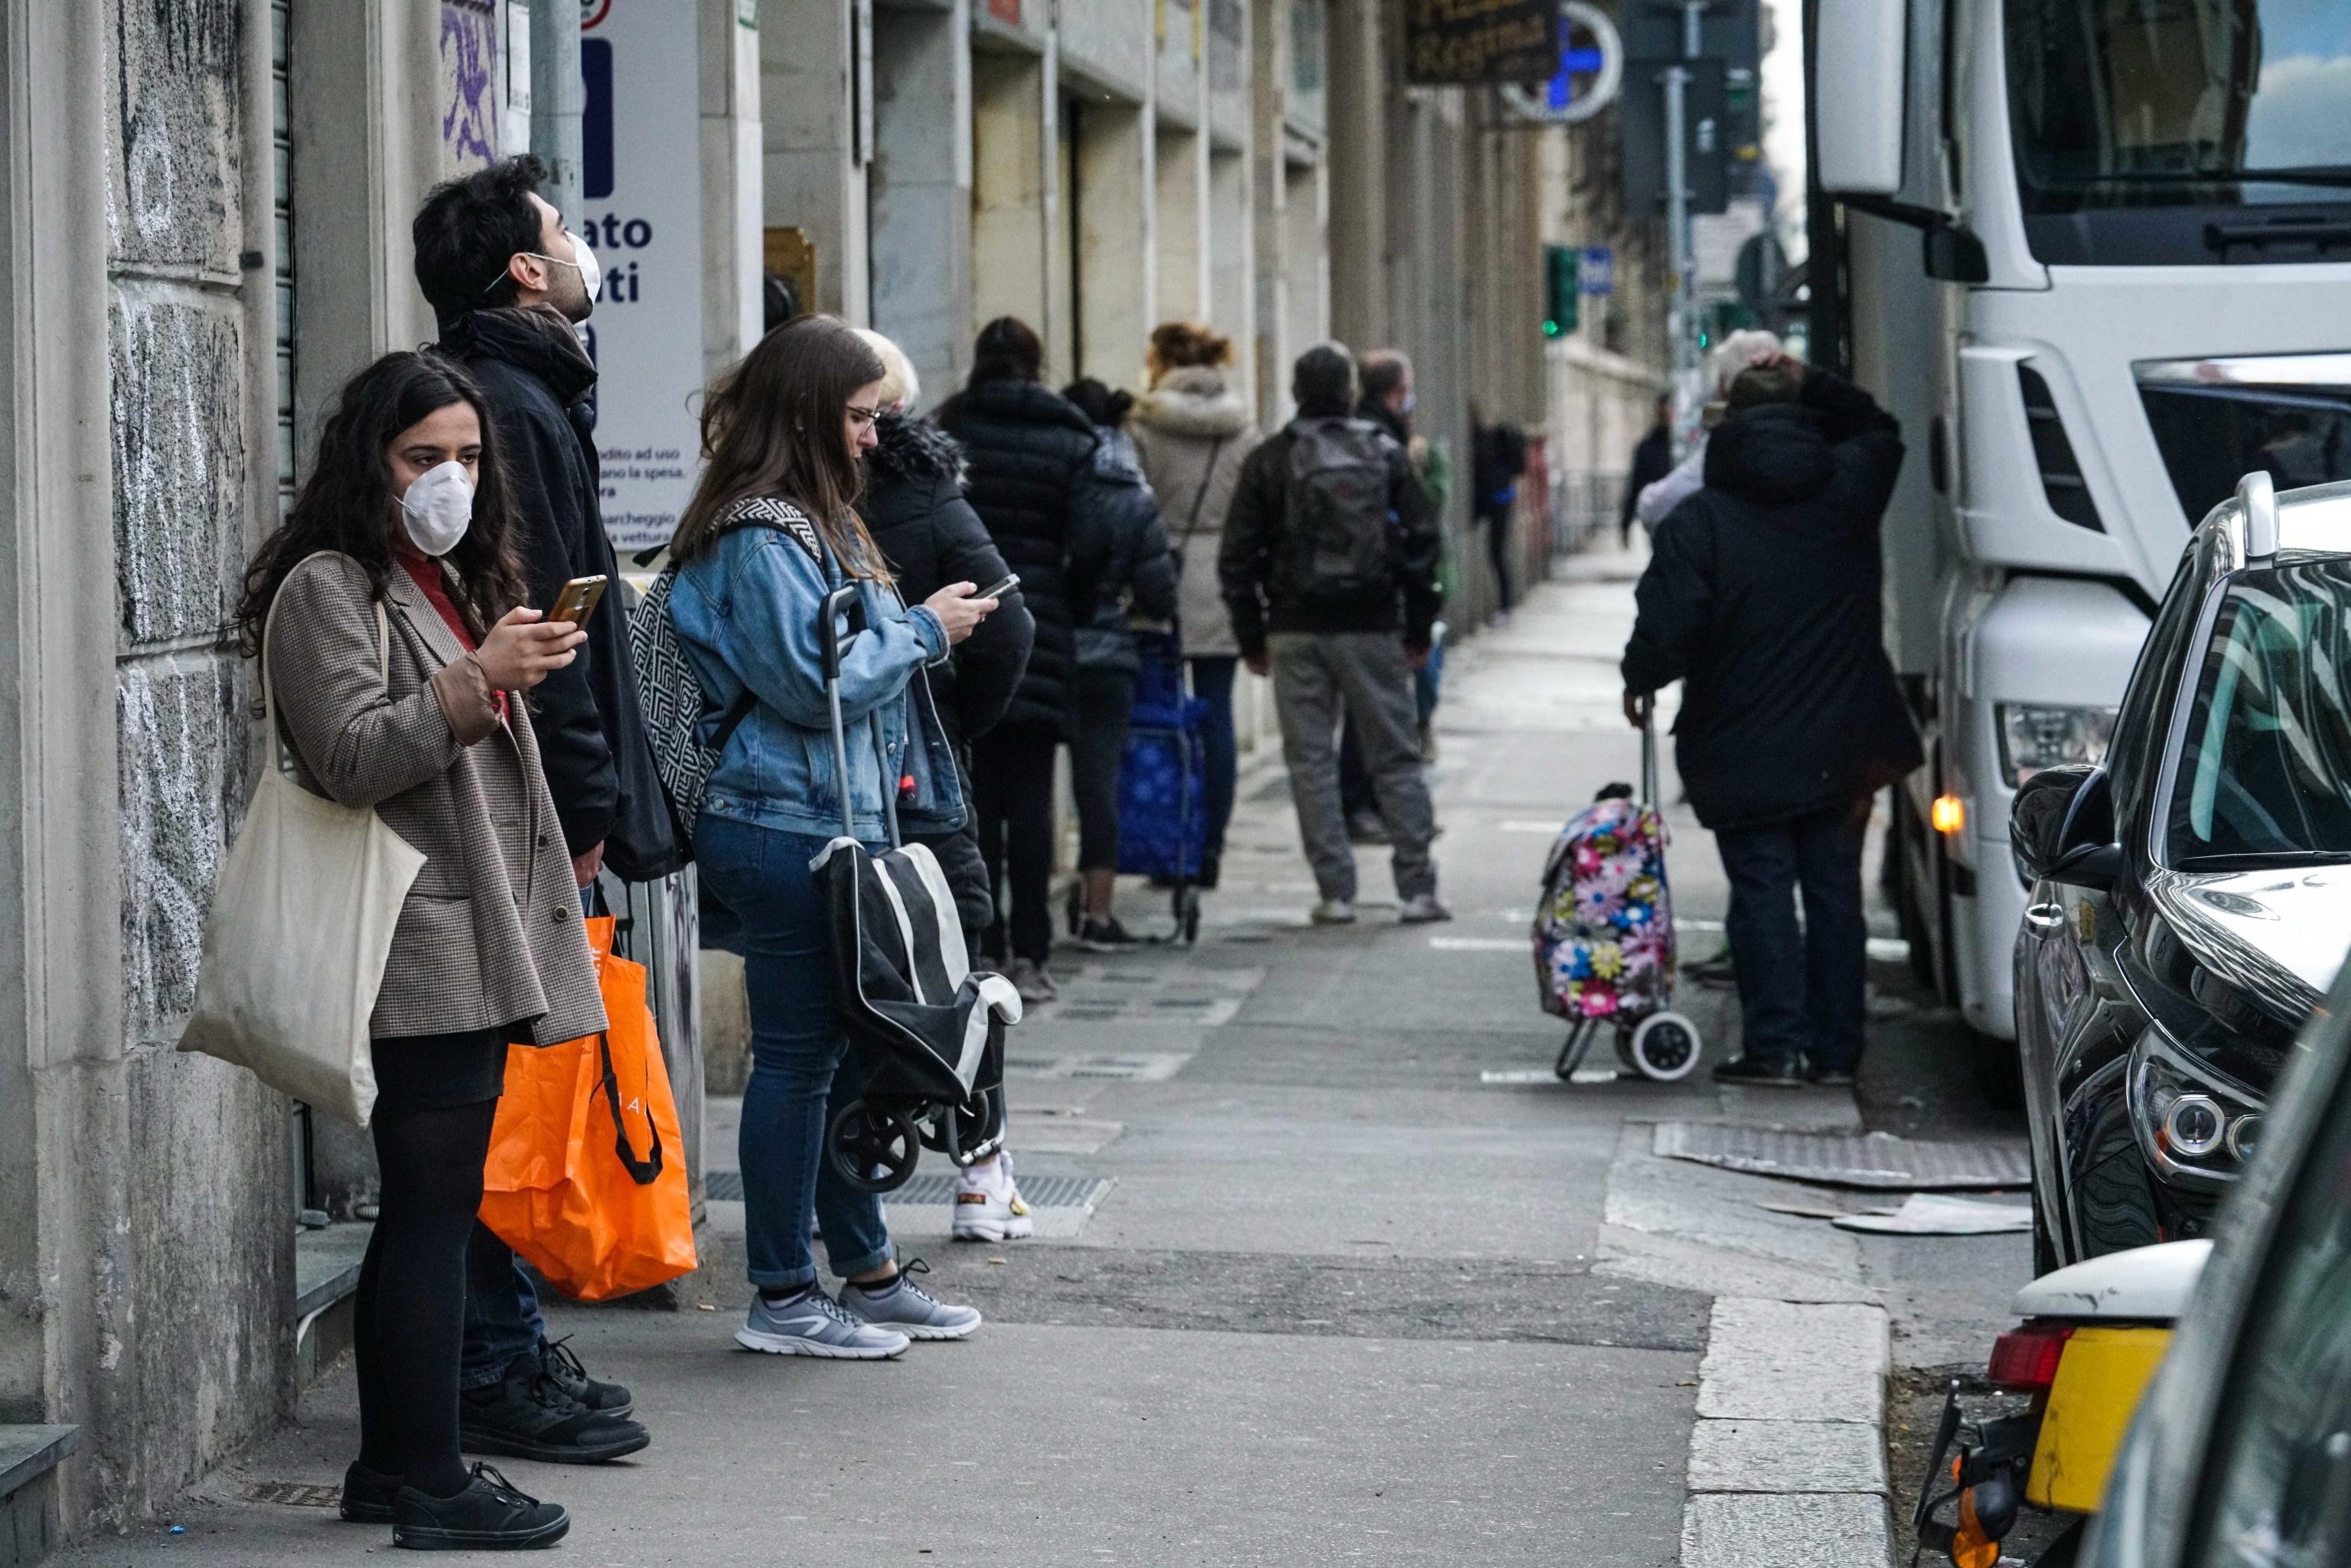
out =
column 641, row 174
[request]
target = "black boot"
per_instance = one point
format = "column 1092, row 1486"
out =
column 489, row 1515
column 1761, row 1072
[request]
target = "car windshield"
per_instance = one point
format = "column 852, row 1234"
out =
column 2264, row 773
column 2163, row 102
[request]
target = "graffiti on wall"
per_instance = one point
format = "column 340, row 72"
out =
column 469, row 79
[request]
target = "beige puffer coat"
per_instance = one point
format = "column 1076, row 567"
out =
column 1191, row 431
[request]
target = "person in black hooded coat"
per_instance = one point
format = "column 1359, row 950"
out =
column 1029, row 459
column 1761, row 597
column 915, row 508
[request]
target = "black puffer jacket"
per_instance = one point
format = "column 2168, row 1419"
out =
column 913, row 507
column 1030, row 458
column 1138, row 576
column 1761, row 596
column 592, row 733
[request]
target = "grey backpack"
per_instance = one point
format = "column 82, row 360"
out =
column 1339, row 544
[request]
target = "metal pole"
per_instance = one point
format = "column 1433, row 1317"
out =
column 558, row 97
column 1682, row 315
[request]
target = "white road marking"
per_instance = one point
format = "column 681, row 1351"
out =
column 1479, row 944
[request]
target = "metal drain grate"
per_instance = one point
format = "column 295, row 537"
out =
column 1847, row 1159
column 938, row 1188
column 294, row 1494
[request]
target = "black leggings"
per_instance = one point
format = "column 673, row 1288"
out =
column 1497, row 550
column 1105, row 703
column 1012, row 783
column 409, row 1322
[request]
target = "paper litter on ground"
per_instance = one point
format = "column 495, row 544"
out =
column 1933, row 1214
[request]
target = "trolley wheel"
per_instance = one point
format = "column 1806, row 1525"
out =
column 872, row 1147
column 1187, row 913
column 1665, row 1047
column 1625, row 1049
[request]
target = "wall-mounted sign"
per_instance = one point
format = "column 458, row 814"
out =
column 1597, row 274
column 1479, row 41
column 641, row 166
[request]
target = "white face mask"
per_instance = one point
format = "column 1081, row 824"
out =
column 438, row 508
column 592, row 271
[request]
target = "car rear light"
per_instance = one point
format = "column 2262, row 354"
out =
column 2025, row 1360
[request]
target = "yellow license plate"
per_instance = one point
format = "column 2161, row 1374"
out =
column 2099, row 1380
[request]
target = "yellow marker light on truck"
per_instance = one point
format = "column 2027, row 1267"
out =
column 1949, row 815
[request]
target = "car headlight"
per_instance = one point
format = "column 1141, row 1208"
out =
column 2194, row 1126
column 2034, row 735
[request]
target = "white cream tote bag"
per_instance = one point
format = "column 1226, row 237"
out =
column 299, row 932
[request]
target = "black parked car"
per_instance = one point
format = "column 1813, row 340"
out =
column 2191, row 896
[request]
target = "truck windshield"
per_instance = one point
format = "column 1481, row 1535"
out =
column 2264, row 774
column 2122, row 106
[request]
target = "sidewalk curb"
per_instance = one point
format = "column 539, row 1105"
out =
column 1787, row 1459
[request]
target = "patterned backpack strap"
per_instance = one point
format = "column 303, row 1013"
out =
column 782, row 516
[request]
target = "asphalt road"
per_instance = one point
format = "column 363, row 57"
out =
column 1350, row 1294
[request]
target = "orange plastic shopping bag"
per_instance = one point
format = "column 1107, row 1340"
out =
column 586, row 1178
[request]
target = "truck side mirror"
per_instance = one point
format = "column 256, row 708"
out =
column 2061, row 827
column 1862, row 46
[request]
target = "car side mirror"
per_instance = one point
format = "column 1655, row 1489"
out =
column 2061, row 827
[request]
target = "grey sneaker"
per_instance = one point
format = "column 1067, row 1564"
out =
column 814, row 1324
column 1422, row 909
column 908, row 1309
column 1333, row 912
column 1030, row 978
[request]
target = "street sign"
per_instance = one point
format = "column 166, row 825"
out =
column 1726, row 27
column 1591, row 64
column 1480, row 42
column 1597, row 273
column 1705, row 143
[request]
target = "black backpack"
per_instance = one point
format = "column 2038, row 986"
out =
column 1338, row 544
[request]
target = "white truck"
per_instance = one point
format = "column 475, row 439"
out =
column 2096, row 255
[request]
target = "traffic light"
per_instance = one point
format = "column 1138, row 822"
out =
column 1561, row 263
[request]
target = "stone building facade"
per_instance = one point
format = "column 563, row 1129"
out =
column 204, row 229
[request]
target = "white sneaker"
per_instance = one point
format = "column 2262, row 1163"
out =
column 988, row 1204
column 1422, row 909
column 1333, row 912
column 1030, row 981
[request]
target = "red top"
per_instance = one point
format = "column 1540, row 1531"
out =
column 425, row 572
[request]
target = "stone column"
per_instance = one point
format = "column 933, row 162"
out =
column 921, row 186
column 815, row 110
column 1115, row 255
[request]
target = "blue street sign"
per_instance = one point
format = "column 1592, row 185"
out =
column 1597, row 273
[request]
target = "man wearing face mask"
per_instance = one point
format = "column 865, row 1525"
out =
column 510, row 284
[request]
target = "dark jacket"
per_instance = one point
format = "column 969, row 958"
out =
column 1138, row 576
column 915, row 508
column 1498, row 457
column 1249, row 559
column 1029, row 457
column 591, row 735
column 1761, row 596
column 1652, row 459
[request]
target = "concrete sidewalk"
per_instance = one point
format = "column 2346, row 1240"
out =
column 1366, row 1282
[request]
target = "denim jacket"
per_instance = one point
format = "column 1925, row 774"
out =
column 747, row 617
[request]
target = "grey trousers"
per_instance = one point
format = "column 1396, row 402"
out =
column 1318, row 679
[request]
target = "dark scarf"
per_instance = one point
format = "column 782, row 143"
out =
column 530, row 337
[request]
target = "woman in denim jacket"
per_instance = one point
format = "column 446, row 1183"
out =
column 789, row 424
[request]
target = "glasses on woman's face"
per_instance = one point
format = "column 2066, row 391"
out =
column 862, row 418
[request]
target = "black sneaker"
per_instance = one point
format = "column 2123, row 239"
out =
column 1830, row 1078
column 489, row 1515
column 1107, row 937
column 526, row 1414
column 561, row 1363
column 368, row 1495
column 1761, row 1072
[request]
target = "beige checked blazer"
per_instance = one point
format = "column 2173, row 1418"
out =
column 490, row 935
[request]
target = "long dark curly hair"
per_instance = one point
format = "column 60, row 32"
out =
column 348, row 504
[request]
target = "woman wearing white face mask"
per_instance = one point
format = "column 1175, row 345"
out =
column 385, row 613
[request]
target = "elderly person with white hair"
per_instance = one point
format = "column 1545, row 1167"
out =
column 1749, row 346
column 915, row 508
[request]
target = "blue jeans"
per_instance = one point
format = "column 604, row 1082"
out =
column 1801, row 990
column 502, row 1321
column 802, row 1073
column 1212, row 682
